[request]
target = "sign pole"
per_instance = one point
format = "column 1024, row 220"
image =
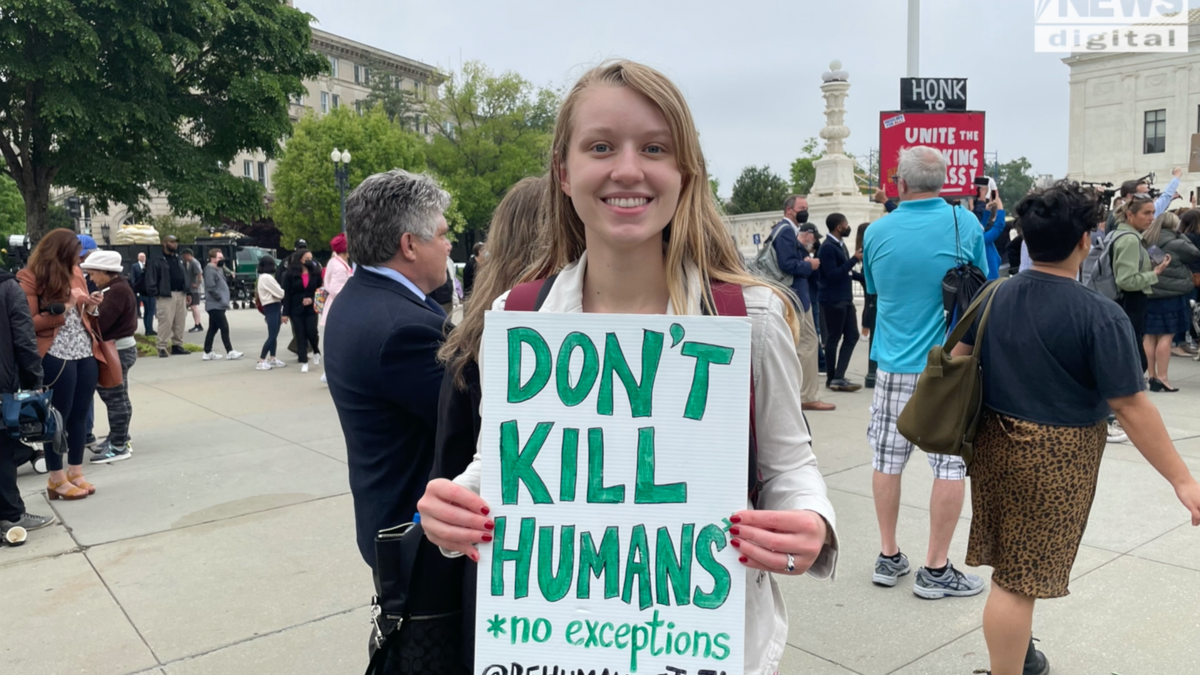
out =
column 914, row 38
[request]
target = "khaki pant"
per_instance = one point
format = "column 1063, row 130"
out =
column 806, row 349
column 171, row 314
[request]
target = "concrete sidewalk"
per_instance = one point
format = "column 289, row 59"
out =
column 226, row 545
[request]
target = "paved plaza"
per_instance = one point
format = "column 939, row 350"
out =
column 225, row 545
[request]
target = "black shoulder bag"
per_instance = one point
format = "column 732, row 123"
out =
column 962, row 283
column 409, row 639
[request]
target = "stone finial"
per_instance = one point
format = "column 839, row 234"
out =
column 835, row 74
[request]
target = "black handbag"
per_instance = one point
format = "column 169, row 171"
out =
column 961, row 283
column 414, row 636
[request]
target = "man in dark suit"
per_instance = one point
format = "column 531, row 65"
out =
column 793, row 258
column 837, row 301
column 382, row 340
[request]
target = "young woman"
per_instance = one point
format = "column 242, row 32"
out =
column 515, row 234
column 1189, row 226
column 1135, row 273
column 300, row 284
column 1037, row 453
column 1167, row 310
column 64, row 319
column 216, row 303
column 270, row 296
column 633, row 229
column 337, row 273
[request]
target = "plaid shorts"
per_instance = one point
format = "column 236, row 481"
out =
column 892, row 450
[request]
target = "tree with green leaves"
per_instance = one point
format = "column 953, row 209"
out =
column 118, row 98
column 803, row 173
column 492, row 131
column 307, row 203
column 12, row 209
column 402, row 106
column 1015, row 180
column 186, row 231
column 758, row 190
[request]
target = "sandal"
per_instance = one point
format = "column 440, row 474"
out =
column 64, row 490
column 80, row 482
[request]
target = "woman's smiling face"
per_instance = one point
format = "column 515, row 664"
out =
column 621, row 171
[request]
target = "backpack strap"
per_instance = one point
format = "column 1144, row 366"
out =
column 529, row 296
column 728, row 300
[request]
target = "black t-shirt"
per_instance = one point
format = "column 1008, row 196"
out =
column 175, row 269
column 1055, row 351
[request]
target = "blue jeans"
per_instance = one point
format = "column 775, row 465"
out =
column 272, row 312
column 149, row 306
column 72, row 385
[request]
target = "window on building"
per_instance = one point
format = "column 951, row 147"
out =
column 357, row 74
column 366, row 76
column 336, row 100
column 333, row 66
column 1156, row 132
column 324, row 102
column 262, row 173
column 427, row 126
column 247, row 168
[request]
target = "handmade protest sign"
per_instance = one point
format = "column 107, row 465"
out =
column 614, row 450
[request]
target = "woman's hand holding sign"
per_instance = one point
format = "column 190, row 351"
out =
column 768, row 538
column 454, row 517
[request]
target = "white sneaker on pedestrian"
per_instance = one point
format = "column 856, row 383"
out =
column 209, row 356
column 276, row 363
column 263, row 365
column 316, row 359
column 323, row 380
column 234, row 355
column 304, row 367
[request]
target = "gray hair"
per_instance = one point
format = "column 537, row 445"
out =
column 386, row 206
column 923, row 168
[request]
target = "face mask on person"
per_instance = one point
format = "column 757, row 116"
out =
column 801, row 217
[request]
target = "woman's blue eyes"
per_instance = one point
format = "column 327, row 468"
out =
column 604, row 147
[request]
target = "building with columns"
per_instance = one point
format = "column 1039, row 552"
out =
column 1135, row 114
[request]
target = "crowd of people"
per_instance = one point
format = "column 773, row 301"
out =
column 623, row 222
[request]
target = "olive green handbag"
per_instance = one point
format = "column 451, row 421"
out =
column 943, row 413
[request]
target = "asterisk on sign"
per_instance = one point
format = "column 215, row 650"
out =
column 496, row 626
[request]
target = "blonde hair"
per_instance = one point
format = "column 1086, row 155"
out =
column 1165, row 221
column 513, row 239
column 696, row 233
column 1121, row 213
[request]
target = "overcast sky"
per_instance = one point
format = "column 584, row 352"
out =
column 750, row 69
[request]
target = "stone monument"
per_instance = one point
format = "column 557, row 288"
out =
column 835, row 189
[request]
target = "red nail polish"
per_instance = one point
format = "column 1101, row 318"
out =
column 736, row 543
column 487, row 537
column 735, row 530
column 742, row 559
column 489, row 525
column 485, row 510
column 735, row 519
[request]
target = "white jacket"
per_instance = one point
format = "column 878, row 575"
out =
column 269, row 290
column 791, row 480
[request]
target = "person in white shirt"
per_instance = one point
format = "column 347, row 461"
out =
column 270, row 295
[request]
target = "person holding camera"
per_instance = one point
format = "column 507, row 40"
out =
column 20, row 368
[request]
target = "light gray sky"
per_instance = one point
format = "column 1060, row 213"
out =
column 750, row 69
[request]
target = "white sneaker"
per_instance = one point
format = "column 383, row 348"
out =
column 209, row 356
column 323, row 380
column 304, row 367
column 234, row 355
column 262, row 365
column 316, row 359
column 276, row 363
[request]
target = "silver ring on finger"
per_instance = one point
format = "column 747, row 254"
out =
column 791, row 563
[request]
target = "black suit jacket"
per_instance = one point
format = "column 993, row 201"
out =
column 381, row 345
column 837, row 269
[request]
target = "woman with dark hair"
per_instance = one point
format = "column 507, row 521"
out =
column 270, row 296
column 64, row 319
column 300, row 284
column 1167, row 311
column 1038, row 449
column 1189, row 226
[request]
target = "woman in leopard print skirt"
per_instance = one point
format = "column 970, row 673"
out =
column 1037, row 454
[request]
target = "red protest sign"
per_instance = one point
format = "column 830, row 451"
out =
column 959, row 136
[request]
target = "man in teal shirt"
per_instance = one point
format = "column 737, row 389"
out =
column 905, row 255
